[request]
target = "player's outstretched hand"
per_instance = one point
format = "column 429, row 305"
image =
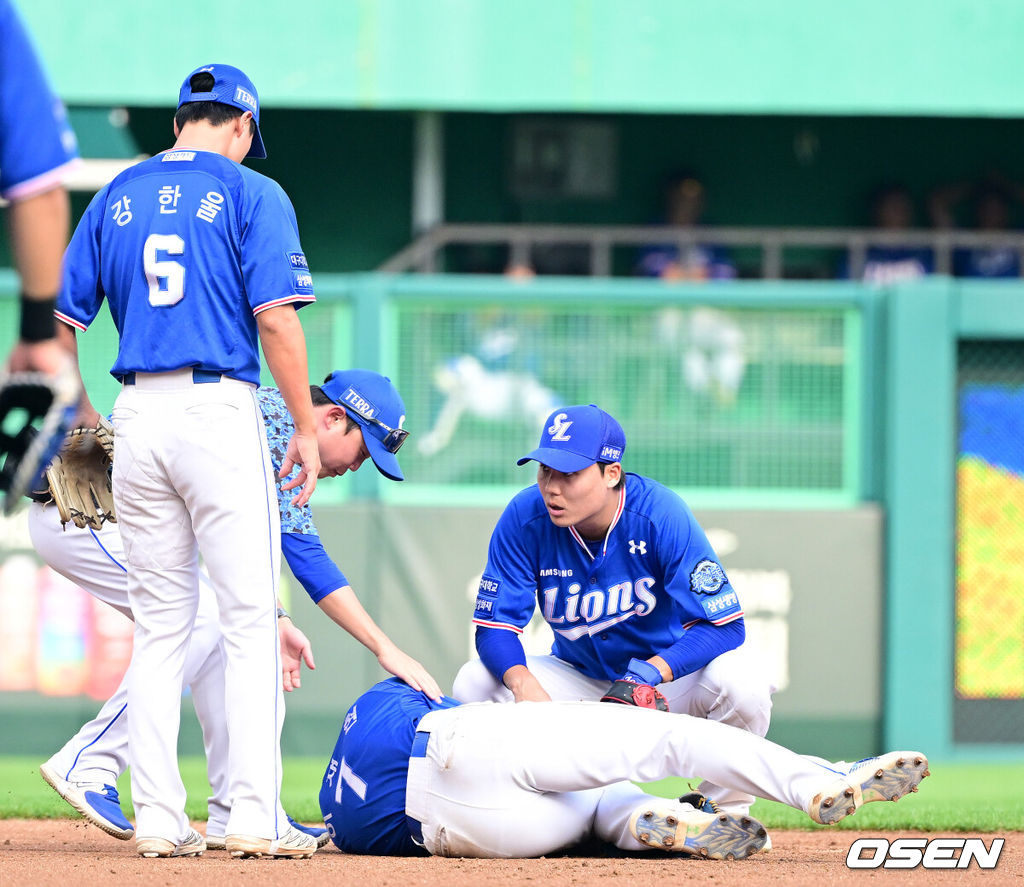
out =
column 302, row 453
column 295, row 649
column 403, row 666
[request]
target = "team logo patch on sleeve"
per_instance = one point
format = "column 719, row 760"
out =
column 298, row 261
column 707, row 577
column 302, row 281
column 486, row 595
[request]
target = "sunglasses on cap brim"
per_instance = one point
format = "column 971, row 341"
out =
column 393, row 437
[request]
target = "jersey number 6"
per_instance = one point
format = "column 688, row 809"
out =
column 173, row 273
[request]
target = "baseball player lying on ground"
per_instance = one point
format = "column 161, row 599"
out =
column 356, row 413
column 411, row 775
column 629, row 584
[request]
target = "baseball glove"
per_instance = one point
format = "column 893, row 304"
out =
column 36, row 411
column 629, row 692
column 79, row 476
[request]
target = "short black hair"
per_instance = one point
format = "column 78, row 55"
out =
column 215, row 113
column 622, row 476
column 320, row 399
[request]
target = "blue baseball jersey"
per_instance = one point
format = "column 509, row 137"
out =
column 187, row 247
column 362, row 796
column 628, row 596
column 36, row 142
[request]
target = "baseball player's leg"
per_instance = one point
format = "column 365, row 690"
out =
column 470, row 806
column 601, row 744
column 92, row 559
column 98, row 753
column 732, row 690
column 204, row 674
column 161, row 558
column 233, row 507
column 474, row 683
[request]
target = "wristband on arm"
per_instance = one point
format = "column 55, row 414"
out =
column 37, row 321
column 642, row 672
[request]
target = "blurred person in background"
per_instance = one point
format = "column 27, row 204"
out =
column 684, row 198
column 990, row 204
column 892, row 210
column 37, row 147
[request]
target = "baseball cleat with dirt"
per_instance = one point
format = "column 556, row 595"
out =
column 709, row 835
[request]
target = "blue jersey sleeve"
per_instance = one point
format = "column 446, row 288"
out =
column 36, row 142
column 81, row 293
column 274, row 268
column 499, row 650
column 311, row 565
column 507, row 594
column 701, row 643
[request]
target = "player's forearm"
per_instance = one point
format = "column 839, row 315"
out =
column 344, row 608
column 284, row 346
column 68, row 341
column 38, row 236
column 524, row 685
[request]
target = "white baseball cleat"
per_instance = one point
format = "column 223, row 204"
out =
column 293, row 844
column 664, row 826
column 886, row 778
column 217, row 842
column 193, row 845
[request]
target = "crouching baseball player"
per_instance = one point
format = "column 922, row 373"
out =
column 629, row 584
column 409, row 774
column 358, row 416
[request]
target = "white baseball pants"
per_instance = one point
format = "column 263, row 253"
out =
column 530, row 779
column 192, row 474
column 729, row 689
column 98, row 752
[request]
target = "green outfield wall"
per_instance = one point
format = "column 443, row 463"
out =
column 823, row 432
column 719, row 56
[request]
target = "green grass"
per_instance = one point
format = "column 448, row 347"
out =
column 24, row 794
column 956, row 797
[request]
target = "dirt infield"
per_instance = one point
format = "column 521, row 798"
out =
column 71, row 853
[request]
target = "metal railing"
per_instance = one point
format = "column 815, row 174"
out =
column 424, row 254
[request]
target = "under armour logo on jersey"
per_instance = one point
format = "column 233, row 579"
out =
column 559, row 427
column 637, row 547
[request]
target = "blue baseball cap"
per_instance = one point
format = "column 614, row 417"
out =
column 372, row 401
column 576, row 437
column 230, row 87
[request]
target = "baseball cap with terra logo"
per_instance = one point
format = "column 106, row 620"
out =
column 576, row 437
column 374, row 402
column 230, row 87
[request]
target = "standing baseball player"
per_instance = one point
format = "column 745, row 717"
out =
column 198, row 257
column 627, row 581
column 85, row 771
column 410, row 775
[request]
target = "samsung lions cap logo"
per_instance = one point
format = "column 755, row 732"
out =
column 559, row 428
